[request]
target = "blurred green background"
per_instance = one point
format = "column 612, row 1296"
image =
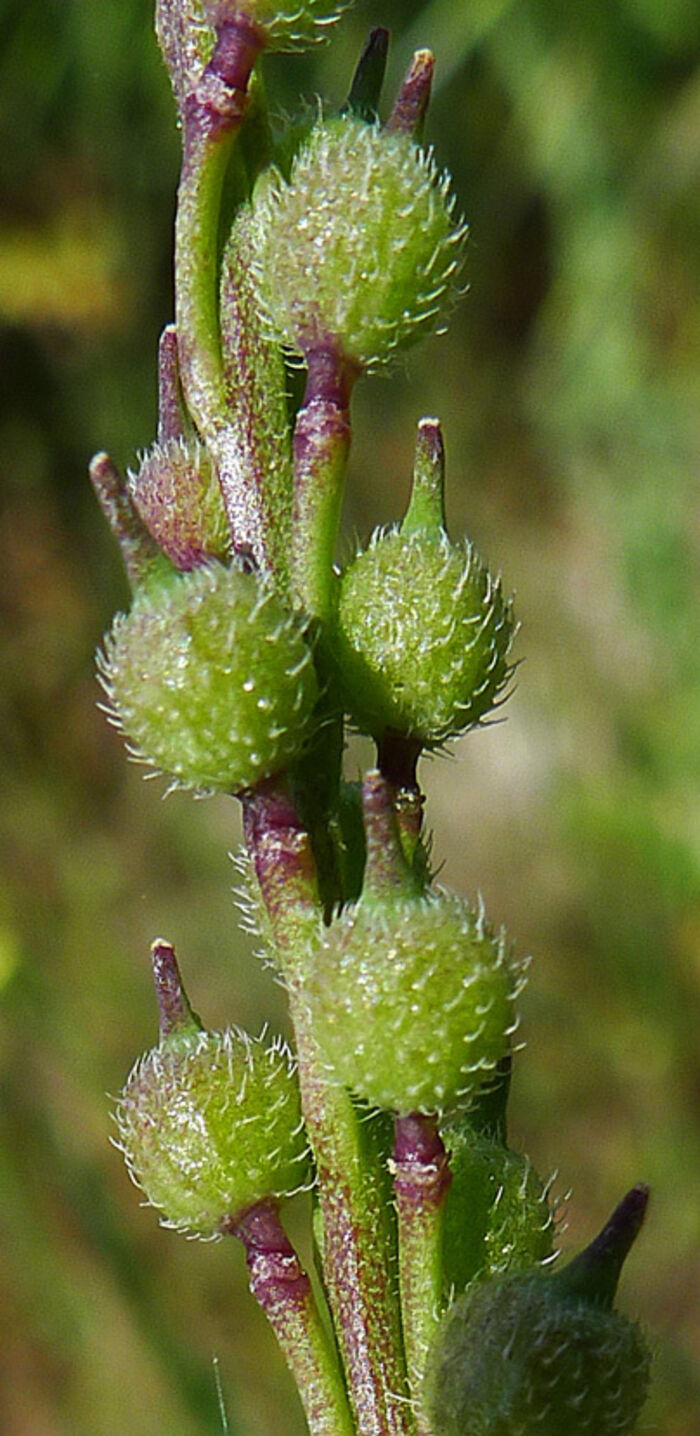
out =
column 568, row 390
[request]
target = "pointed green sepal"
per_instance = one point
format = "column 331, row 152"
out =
column 426, row 509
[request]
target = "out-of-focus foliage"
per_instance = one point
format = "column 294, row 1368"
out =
column 567, row 391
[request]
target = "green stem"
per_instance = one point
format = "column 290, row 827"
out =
column 355, row 1245
column 356, row 1242
column 213, row 115
column 397, row 760
column 321, row 448
column 283, row 1290
column 257, row 437
column 421, row 1181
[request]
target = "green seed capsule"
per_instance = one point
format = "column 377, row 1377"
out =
column 210, row 1123
column 411, row 992
column 211, row 678
column 546, row 1354
column 423, row 632
column 358, row 252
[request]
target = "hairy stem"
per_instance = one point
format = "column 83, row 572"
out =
column 421, row 1182
column 213, row 114
column 283, row 1290
column 321, row 448
column 356, row 1245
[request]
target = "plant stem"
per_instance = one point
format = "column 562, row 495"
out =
column 283, row 1290
column 356, row 1263
column 422, row 1178
column 257, row 436
column 213, row 114
column 397, row 760
column 356, row 1243
column 321, row 448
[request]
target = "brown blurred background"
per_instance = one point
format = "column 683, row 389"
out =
column 569, row 395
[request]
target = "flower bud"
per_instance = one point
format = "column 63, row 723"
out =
column 210, row 1122
column 497, row 1218
column 411, row 992
column 358, row 252
column 176, row 493
column 423, row 632
column 211, row 678
column 543, row 1353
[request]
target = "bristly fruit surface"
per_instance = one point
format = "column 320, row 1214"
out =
column 358, row 252
column 423, row 637
column 412, row 1000
column 210, row 1124
column 211, row 678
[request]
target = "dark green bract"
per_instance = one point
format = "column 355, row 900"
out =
column 211, row 678
column 423, row 637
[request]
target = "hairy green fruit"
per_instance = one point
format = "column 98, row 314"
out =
column 211, row 678
column 358, row 252
column 422, row 639
column 544, row 1355
column 210, row 1124
column 422, row 632
column 497, row 1218
column 411, row 992
column 176, row 493
column 517, row 1358
column 412, row 1001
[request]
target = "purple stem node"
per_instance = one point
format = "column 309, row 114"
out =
column 420, row 1164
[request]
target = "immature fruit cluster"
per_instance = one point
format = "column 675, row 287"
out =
column 546, row 1354
column 357, row 252
column 412, row 994
column 210, row 1124
column 423, row 632
column 211, row 678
